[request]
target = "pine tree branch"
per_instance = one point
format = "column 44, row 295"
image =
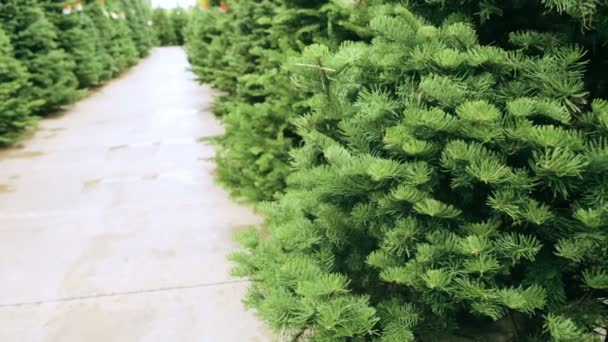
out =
column 326, row 79
column 315, row 67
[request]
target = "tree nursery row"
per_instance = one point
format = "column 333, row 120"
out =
column 51, row 51
column 429, row 170
column 169, row 25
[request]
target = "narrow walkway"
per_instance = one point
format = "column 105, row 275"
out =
column 111, row 228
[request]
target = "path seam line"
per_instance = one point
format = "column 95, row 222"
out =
column 125, row 293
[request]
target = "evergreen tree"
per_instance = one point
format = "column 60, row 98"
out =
column 103, row 38
column 137, row 20
column 447, row 185
column 256, row 124
column 15, row 101
column 179, row 20
column 584, row 23
column 163, row 26
column 445, row 190
column 207, row 38
column 35, row 43
column 115, row 42
column 123, row 43
column 240, row 52
column 78, row 37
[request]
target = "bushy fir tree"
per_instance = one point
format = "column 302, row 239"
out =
column 445, row 189
column 227, row 49
column 115, row 41
column 584, row 23
column 100, row 16
column 163, row 26
column 15, row 100
column 207, row 38
column 240, row 52
column 257, row 133
column 37, row 75
column 179, row 20
column 35, row 43
column 138, row 15
column 78, row 37
column 123, row 46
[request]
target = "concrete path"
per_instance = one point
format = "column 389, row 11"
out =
column 111, row 228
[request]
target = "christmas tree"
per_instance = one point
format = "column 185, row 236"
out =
column 103, row 37
column 35, row 43
column 114, row 42
column 241, row 51
column 179, row 20
column 78, row 37
column 445, row 190
column 15, row 101
column 207, row 37
column 165, row 31
column 448, row 181
column 122, row 37
column 255, row 124
column 583, row 23
column 138, row 16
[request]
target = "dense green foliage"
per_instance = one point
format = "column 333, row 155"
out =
column 77, row 36
column 179, row 20
column 35, row 42
column 114, row 42
column 51, row 48
column 123, row 48
column 137, row 17
column 103, row 40
column 256, row 110
column 241, row 52
column 207, row 47
column 444, row 165
column 169, row 25
column 15, row 101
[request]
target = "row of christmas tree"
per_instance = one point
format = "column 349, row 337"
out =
column 436, row 171
column 52, row 50
column 169, row 25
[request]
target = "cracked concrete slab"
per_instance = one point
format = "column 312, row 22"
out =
column 194, row 314
column 111, row 227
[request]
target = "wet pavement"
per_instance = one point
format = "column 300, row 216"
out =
column 111, row 227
